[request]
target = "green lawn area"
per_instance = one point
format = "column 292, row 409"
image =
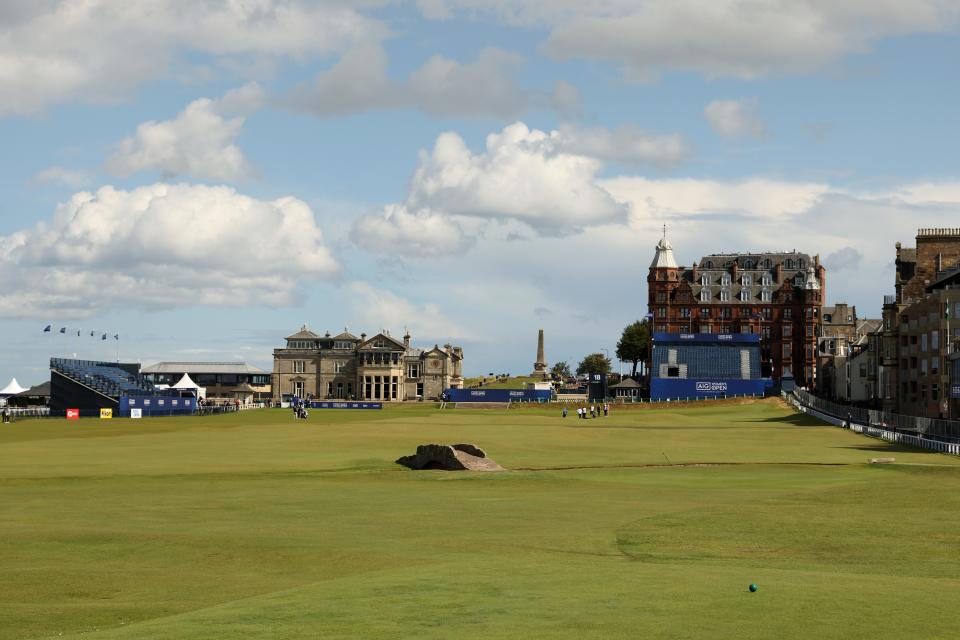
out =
column 257, row 526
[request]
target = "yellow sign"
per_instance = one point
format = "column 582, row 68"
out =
column 106, row 414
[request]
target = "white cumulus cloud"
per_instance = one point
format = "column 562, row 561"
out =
column 735, row 118
column 717, row 38
column 199, row 142
column 521, row 175
column 421, row 234
column 99, row 50
column 627, row 144
column 442, row 87
column 160, row 246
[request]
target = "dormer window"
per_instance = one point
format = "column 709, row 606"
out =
column 799, row 264
column 766, row 280
column 745, row 295
column 748, row 264
column 725, row 279
column 705, row 295
column 709, row 264
column 746, row 280
column 705, row 280
column 765, row 295
column 788, row 264
column 724, row 295
column 767, row 264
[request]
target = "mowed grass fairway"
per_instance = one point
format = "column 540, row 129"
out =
column 257, row 526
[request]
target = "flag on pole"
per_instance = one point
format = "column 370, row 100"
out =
column 63, row 329
column 46, row 329
column 104, row 337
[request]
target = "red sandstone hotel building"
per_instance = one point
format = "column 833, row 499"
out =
column 776, row 294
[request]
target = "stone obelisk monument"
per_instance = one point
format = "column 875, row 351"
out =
column 540, row 366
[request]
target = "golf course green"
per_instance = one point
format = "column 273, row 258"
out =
column 650, row 523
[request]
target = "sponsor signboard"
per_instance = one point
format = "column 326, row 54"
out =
column 498, row 395
column 663, row 388
column 106, row 414
column 346, row 405
column 73, row 414
column 136, row 413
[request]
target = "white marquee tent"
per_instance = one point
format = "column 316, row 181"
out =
column 187, row 384
column 12, row 389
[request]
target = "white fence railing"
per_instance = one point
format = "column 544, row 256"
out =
column 874, row 431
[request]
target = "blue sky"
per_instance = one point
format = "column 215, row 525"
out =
column 204, row 178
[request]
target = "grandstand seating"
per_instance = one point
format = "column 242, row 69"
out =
column 104, row 377
column 714, row 361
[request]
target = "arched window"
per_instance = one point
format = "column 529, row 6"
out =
column 767, row 264
column 748, row 264
column 766, row 280
column 705, row 280
column 705, row 295
column 709, row 264
column 725, row 279
column 746, row 280
column 788, row 264
column 724, row 295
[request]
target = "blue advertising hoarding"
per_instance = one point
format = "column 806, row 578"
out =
column 157, row 405
column 498, row 395
column 663, row 388
column 346, row 405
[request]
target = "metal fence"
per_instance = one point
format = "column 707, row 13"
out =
column 925, row 433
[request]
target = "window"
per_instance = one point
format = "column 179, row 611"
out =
column 661, row 297
column 342, row 344
column 705, row 295
column 765, row 296
column 725, row 313
column 923, row 367
column 339, row 366
column 661, row 312
column 299, row 366
column 746, row 280
column 745, row 295
column 767, row 313
column 765, row 333
column 799, row 280
column 923, row 342
column 935, row 392
column 809, row 330
column 788, row 264
column 298, row 388
column 685, row 312
column 749, row 264
column 705, row 312
column 724, row 295
column 725, row 279
column 935, row 366
column 766, row 280
column 935, row 340
column 799, row 264
column 787, row 351
column 709, row 264
column 766, row 263
column 787, row 314
column 705, row 280
column 413, row 370
column 329, row 389
column 787, row 330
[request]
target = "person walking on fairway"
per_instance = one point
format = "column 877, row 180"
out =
column 564, row 412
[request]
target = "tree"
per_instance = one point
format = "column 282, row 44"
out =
column 560, row 370
column 634, row 344
column 594, row 363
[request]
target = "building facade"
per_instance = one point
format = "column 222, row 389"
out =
column 223, row 381
column 920, row 326
column 778, row 295
column 379, row 368
column 843, row 337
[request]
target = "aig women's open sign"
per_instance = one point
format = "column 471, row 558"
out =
column 106, row 414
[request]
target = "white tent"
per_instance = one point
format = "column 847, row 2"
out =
column 187, row 384
column 12, row 389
